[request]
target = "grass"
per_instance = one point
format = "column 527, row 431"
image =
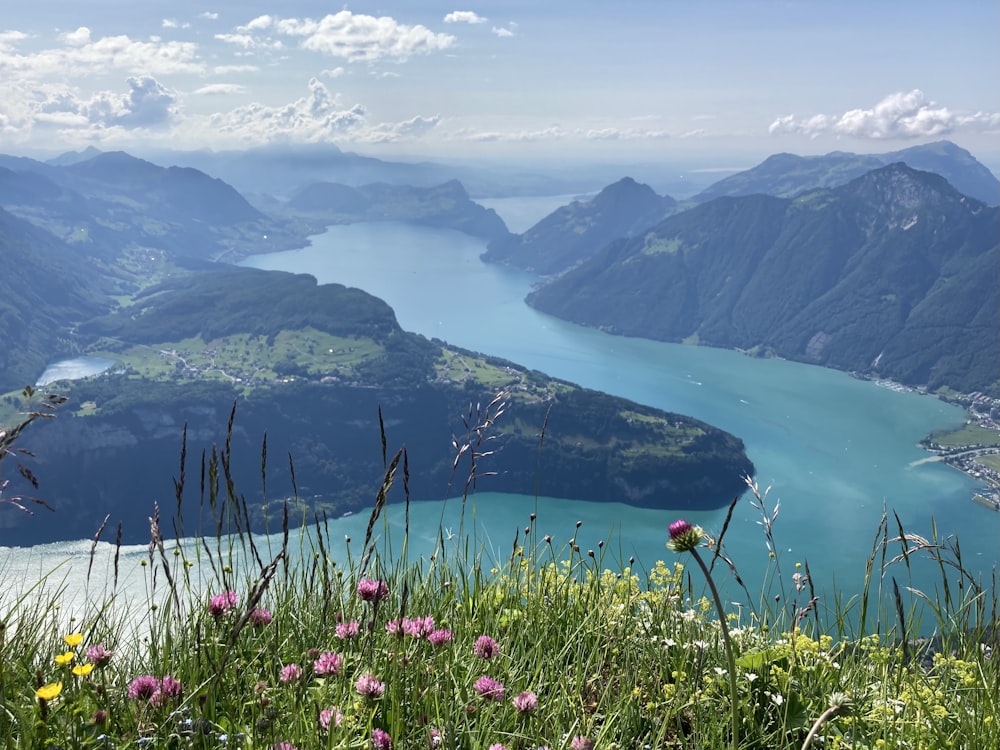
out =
column 966, row 435
column 317, row 642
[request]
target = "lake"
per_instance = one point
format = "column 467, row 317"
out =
column 835, row 451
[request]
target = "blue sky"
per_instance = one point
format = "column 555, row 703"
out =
column 545, row 79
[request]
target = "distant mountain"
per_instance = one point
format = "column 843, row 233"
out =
column 787, row 175
column 894, row 274
column 446, row 206
column 112, row 202
column 281, row 170
column 576, row 232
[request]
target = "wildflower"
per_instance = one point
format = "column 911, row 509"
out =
column 497, row 746
column 283, row 746
column 418, row 627
column 381, row 740
column 100, row 718
column 219, row 604
column 582, row 743
column 372, row 591
column 330, row 716
column 290, row 673
column 526, row 702
column 143, row 687
column 683, row 536
column 489, row 688
column 369, row 686
column 485, row 647
column 434, row 737
column 439, row 637
column 99, row 655
column 347, row 629
column 48, row 692
column 65, row 658
column 329, row 662
column 170, row 686
column 260, row 617
column 82, row 670
column 73, row 639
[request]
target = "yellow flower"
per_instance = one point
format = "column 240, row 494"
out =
column 73, row 639
column 50, row 691
column 82, row 670
column 65, row 658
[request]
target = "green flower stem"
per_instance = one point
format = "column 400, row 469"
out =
column 730, row 656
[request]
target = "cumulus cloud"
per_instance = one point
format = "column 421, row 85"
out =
column 219, row 89
column 464, row 16
column 397, row 131
column 82, row 55
column 172, row 23
column 353, row 37
column 333, row 72
column 209, row 15
column 502, row 32
column 901, row 115
column 222, row 70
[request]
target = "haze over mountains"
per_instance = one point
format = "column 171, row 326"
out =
column 891, row 272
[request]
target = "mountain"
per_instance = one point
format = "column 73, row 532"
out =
column 317, row 369
column 787, row 175
column 575, row 232
column 893, row 274
column 45, row 290
column 445, row 206
column 112, row 203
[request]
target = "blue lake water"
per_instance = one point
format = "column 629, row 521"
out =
column 835, row 451
column 73, row 369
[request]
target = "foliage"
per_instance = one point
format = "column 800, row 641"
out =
column 246, row 643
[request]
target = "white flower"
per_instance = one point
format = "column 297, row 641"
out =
column 750, row 676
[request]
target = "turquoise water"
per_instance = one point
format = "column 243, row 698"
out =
column 834, row 450
column 74, row 368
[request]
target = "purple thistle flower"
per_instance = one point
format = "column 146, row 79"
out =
column 99, row 655
column 221, row 603
column 381, row 740
column 683, row 536
column 260, row 617
column 330, row 716
column 369, row 686
column 526, row 702
column 329, row 662
column 418, row 627
column 143, row 687
column 582, row 743
column 347, row 629
column 489, row 689
column 290, row 673
column 372, row 591
column 485, row 647
column 439, row 637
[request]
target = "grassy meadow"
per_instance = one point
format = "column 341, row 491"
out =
column 352, row 643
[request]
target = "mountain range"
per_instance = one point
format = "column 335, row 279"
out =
column 893, row 273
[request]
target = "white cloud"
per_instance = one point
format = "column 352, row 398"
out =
column 209, row 15
column 171, row 23
column 222, row 70
column 398, row 131
column 356, row 37
column 502, row 32
column 217, row 89
column 464, row 16
column 9, row 39
column 622, row 134
column 333, row 73
column 84, row 56
column 900, row 115
column 518, row 136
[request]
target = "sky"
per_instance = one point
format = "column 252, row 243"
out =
column 517, row 80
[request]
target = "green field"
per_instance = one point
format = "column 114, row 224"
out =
column 969, row 434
